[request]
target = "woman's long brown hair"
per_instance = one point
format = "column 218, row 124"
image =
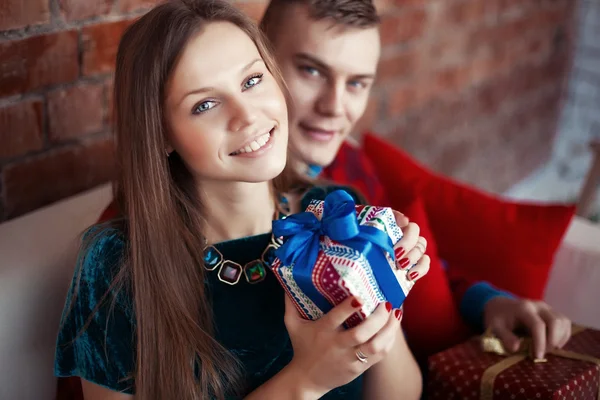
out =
column 162, row 264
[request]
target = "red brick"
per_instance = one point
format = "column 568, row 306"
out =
column 449, row 49
column 443, row 115
column 513, row 31
column 254, row 10
column 522, row 81
column 491, row 39
column 490, row 66
column 76, row 111
column 21, row 128
column 512, row 6
column 404, row 98
column 16, row 14
column 83, row 9
column 534, row 49
column 399, row 65
column 549, row 18
column 57, row 174
column 439, row 135
column 100, row 45
column 408, row 25
column 463, row 13
column 452, row 79
column 134, row 5
column 38, row 61
column 383, row 6
column 492, row 96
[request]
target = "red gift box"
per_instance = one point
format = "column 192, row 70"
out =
column 467, row 372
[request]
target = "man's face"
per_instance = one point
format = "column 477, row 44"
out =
column 329, row 70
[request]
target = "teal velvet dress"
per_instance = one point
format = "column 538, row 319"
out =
column 248, row 318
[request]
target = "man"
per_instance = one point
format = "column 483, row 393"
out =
column 328, row 51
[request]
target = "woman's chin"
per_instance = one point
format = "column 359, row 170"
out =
column 264, row 173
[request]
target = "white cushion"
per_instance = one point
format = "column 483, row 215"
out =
column 574, row 284
column 36, row 265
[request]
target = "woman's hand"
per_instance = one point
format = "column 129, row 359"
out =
column 325, row 354
column 410, row 250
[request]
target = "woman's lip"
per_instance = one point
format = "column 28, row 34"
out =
column 251, row 140
column 270, row 132
column 267, row 146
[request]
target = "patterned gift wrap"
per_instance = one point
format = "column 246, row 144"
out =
column 467, row 372
column 343, row 269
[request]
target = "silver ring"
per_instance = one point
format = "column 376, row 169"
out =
column 361, row 357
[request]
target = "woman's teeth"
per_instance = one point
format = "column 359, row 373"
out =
column 255, row 145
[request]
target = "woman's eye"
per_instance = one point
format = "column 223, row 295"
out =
column 204, row 106
column 253, row 81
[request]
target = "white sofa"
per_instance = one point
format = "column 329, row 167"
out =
column 37, row 260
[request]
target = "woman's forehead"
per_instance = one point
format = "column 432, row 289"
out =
column 214, row 56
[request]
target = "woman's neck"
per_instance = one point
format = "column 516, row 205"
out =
column 236, row 210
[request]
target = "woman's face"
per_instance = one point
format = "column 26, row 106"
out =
column 226, row 114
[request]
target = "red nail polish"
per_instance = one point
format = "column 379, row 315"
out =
column 398, row 314
column 355, row 303
column 403, row 263
column 399, row 252
column 413, row 275
column 388, row 306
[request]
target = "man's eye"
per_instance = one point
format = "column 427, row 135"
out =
column 204, row 106
column 357, row 84
column 310, row 70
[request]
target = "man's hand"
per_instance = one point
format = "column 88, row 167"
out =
column 548, row 328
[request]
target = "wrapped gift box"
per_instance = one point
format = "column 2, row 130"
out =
column 468, row 372
column 336, row 249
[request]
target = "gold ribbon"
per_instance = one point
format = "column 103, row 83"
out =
column 491, row 344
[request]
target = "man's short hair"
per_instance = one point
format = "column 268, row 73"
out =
column 351, row 13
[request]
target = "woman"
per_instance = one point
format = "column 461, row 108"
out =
column 173, row 301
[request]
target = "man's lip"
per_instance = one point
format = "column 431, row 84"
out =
column 247, row 143
column 320, row 130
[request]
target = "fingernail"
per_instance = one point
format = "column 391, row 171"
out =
column 413, row 275
column 388, row 306
column 355, row 303
column 403, row 263
column 399, row 252
column 398, row 314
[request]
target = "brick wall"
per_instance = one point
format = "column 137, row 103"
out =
column 470, row 87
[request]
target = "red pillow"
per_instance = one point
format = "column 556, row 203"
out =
column 510, row 245
column 431, row 318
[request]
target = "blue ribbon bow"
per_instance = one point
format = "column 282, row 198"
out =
column 339, row 222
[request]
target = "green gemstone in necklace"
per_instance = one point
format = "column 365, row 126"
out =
column 255, row 271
